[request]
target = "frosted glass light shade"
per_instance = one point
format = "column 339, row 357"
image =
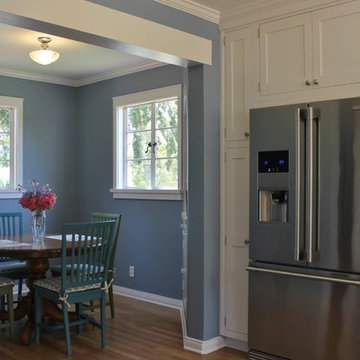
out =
column 44, row 57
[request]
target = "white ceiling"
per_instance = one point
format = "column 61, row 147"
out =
column 79, row 63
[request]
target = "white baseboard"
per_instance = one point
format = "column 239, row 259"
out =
column 153, row 298
column 198, row 346
column 204, row 346
column 214, row 344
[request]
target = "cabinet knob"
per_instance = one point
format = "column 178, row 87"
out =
column 246, row 134
column 316, row 82
column 307, row 83
column 246, row 241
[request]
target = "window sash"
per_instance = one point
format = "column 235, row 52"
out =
column 15, row 108
column 121, row 134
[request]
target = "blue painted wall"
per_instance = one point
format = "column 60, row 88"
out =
column 68, row 144
column 204, row 200
column 49, row 144
column 150, row 233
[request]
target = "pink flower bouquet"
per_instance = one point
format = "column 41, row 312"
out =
column 38, row 198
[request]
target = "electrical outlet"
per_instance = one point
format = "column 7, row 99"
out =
column 132, row 271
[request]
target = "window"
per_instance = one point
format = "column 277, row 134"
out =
column 147, row 139
column 10, row 146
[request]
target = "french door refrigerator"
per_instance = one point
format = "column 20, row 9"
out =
column 304, row 269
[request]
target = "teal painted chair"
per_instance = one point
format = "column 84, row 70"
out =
column 6, row 289
column 86, row 280
column 11, row 224
column 100, row 216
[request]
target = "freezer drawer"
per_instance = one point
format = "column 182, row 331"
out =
column 298, row 318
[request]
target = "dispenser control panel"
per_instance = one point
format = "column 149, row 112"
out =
column 273, row 161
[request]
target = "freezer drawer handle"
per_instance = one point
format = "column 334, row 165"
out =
column 304, row 276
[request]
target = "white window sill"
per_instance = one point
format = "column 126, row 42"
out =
column 10, row 194
column 147, row 194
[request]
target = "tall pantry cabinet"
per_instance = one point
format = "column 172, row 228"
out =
column 286, row 54
column 237, row 72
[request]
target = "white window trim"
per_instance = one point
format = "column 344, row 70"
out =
column 121, row 101
column 16, row 168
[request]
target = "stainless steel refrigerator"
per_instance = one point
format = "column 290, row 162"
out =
column 304, row 270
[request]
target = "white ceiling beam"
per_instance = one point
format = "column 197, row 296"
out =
column 98, row 25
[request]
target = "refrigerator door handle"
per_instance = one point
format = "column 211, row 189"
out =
column 304, row 276
column 299, row 118
column 311, row 182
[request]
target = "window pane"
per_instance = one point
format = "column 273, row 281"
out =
column 137, row 144
column 167, row 173
column 166, row 114
column 139, row 117
column 4, row 173
column 4, row 148
column 138, row 174
column 4, row 120
column 166, row 142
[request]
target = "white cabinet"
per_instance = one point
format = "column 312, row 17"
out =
column 236, row 75
column 312, row 50
column 336, row 45
column 235, row 249
column 312, row 55
column 238, row 67
column 285, row 63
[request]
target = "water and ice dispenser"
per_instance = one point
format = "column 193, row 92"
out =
column 273, row 186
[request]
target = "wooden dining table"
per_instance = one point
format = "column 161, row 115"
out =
column 37, row 256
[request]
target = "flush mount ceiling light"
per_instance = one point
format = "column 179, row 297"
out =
column 44, row 56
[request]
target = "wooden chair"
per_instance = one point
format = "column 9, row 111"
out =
column 99, row 216
column 89, row 255
column 11, row 224
column 6, row 289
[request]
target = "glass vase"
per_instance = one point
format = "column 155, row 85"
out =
column 38, row 225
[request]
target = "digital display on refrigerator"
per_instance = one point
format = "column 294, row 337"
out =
column 273, row 161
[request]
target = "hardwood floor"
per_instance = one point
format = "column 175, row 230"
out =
column 140, row 331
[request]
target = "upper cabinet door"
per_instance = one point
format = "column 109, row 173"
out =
column 237, row 73
column 336, row 45
column 285, row 55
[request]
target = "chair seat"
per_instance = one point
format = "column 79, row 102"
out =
column 13, row 266
column 57, row 268
column 54, row 284
column 5, row 282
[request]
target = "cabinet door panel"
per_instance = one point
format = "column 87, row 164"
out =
column 236, row 77
column 285, row 54
column 336, row 45
column 235, row 302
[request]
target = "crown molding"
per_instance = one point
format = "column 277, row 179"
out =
column 82, row 82
column 193, row 8
column 112, row 75
column 260, row 10
column 37, row 77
